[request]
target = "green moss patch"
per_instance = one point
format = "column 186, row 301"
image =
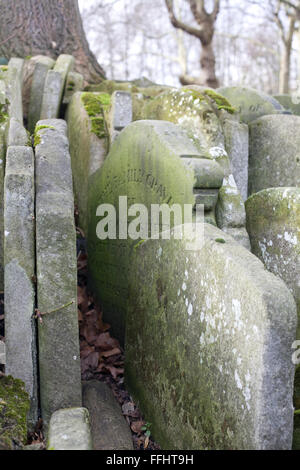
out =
column 96, row 106
column 220, row 101
column 14, row 406
column 37, row 137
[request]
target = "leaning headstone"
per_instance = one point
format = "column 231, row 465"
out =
column 59, row 361
column 41, row 67
column 289, row 103
column 74, row 83
column 69, row 429
column 208, row 343
column 16, row 134
column 237, row 146
column 249, row 103
column 13, row 79
column 273, row 223
column 109, row 429
column 54, row 87
column 89, row 143
column 2, row 172
column 19, row 271
column 274, row 159
column 2, row 352
column 151, row 162
column 121, row 113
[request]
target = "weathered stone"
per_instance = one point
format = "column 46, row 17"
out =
column 74, row 83
column 207, row 197
column 13, row 78
column 288, row 103
column 19, row 271
column 273, row 223
column 249, row 103
column 59, row 360
column 89, row 144
column 14, row 406
column 34, row 447
column 69, row 429
column 2, row 171
column 40, row 67
column 2, row 352
column 16, row 134
column 145, row 164
column 121, row 112
column 109, row 429
column 64, row 64
column 208, row 174
column 52, row 95
column 237, row 146
column 208, row 344
column 274, row 158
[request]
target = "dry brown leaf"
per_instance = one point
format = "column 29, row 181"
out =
column 112, row 352
column 136, row 426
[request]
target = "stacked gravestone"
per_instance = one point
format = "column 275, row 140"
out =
column 69, row 429
column 54, row 87
column 274, row 158
column 89, row 143
column 74, row 83
column 120, row 114
column 289, row 103
column 208, row 344
column 14, row 88
column 59, row 359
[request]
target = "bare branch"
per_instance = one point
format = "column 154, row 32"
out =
column 198, row 33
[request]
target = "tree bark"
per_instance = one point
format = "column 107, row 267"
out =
column 47, row 27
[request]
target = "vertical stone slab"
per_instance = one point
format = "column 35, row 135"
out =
column 40, row 71
column 273, row 223
column 69, row 429
column 19, row 272
column 59, row 360
column 2, row 172
column 274, row 159
column 121, row 112
column 237, row 146
column 74, row 83
column 14, row 88
column 288, row 103
column 208, row 344
column 54, row 87
column 89, row 144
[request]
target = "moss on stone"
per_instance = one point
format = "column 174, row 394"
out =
column 14, row 406
column 220, row 101
column 96, row 106
column 36, row 136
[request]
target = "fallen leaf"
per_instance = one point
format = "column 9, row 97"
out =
column 136, row 426
column 110, row 353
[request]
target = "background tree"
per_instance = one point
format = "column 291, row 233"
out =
column 31, row 27
column 205, row 33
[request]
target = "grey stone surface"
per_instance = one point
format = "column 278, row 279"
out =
column 41, row 67
column 121, row 112
column 13, row 79
column 74, row 83
column 206, row 197
column 250, row 103
column 52, row 95
column 110, row 430
column 2, row 352
column 69, row 429
column 87, row 151
column 274, row 159
column 289, row 103
column 2, row 172
column 273, row 222
column 237, row 146
column 59, row 360
column 208, row 173
column 19, row 261
column 16, row 133
column 208, row 343
column 64, row 64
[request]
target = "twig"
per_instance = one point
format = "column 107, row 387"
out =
column 39, row 314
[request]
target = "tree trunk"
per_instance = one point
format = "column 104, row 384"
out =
column 208, row 63
column 48, row 27
column 284, row 75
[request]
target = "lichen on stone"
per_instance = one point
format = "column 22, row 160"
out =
column 220, row 101
column 96, row 106
column 14, row 406
column 36, row 136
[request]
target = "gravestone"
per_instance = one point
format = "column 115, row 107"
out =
column 289, row 103
column 2, row 172
column 13, row 79
column 69, row 429
column 208, row 345
column 89, row 144
column 74, row 83
column 19, row 271
column 249, row 103
column 120, row 114
column 2, row 352
column 40, row 70
column 273, row 223
column 54, row 86
column 151, row 162
column 16, row 134
column 274, row 157
column 58, row 336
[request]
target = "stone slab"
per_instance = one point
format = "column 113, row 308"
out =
column 40, row 70
column 52, row 95
column 16, row 134
column 110, row 430
column 13, row 80
column 121, row 112
column 208, row 344
column 274, row 159
column 2, row 352
column 290, row 103
column 250, row 103
column 74, row 83
column 2, row 172
column 59, row 360
column 69, row 429
column 19, row 271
